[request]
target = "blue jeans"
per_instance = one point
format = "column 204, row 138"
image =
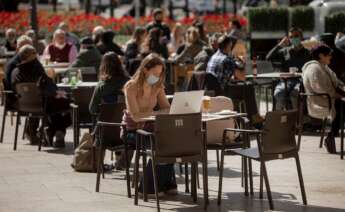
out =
column 286, row 95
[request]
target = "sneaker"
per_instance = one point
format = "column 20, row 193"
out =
column 59, row 139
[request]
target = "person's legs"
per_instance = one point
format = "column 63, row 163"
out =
column 31, row 130
column 280, row 96
column 165, row 175
column 330, row 141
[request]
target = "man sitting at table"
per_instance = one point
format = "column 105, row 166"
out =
column 291, row 54
column 89, row 56
column 10, row 36
column 59, row 50
column 224, row 75
column 31, row 70
column 15, row 60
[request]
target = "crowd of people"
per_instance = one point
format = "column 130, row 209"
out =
column 137, row 71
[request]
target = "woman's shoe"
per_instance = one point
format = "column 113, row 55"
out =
column 330, row 144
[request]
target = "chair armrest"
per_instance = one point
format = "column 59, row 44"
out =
column 243, row 131
column 320, row 94
column 109, row 124
column 144, row 133
column 7, row 91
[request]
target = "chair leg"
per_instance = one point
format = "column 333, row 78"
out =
column 217, row 154
column 197, row 176
column 186, row 177
column 261, row 183
column 245, row 169
column 25, row 126
column 204, row 179
column 323, row 127
column 242, row 173
column 155, row 181
column 251, row 190
column 128, row 178
column 144, row 178
column 300, row 177
column 16, row 133
column 193, row 182
column 3, row 125
column 99, row 167
column 220, row 177
column 136, row 175
column 268, row 189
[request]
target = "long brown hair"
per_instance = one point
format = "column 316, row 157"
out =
column 150, row 61
column 111, row 67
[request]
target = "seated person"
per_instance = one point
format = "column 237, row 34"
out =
column 15, row 60
column 11, row 36
column 112, row 79
column 41, row 44
column 192, row 48
column 88, row 56
column 202, row 58
column 71, row 38
column 132, row 57
column 222, row 69
column 154, row 44
column 291, row 54
column 107, row 44
column 143, row 92
column 59, row 50
column 31, row 70
column 97, row 34
column 319, row 78
column 109, row 90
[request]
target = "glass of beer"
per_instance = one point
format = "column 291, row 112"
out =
column 206, row 103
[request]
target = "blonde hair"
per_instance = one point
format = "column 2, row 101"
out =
column 150, row 61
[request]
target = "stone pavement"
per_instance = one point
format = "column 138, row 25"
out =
column 32, row 181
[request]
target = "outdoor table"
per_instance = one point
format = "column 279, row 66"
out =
column 205, row 118
column 67, row 86
column 275, row 76
column 56, row 65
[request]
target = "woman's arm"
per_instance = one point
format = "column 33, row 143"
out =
column 163, row 100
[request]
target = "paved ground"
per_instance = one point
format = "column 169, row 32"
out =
column 44, row 181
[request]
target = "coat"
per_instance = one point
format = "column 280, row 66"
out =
column 88, row 58
column 318, row 78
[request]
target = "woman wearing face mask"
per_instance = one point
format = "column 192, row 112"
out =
column 143, row 93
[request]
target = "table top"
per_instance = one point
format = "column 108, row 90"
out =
column 205, row 117
column 276, row 75
column 56, row 65
column 81, row 84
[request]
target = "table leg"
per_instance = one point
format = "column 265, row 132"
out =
column 204, row 124
column 286, row 94
column 342, row 129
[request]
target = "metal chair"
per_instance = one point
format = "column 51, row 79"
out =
column 80, row 111
column 168, row 145
column 276, row 141
column 302, row 100
column 30, row 104
column 7, row 109
column 108, row 130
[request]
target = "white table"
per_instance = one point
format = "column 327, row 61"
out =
column 78, row 85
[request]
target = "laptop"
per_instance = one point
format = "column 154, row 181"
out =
column 187, row 102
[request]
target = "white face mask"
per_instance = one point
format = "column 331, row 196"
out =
column 59, row 46
column 152, row 79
